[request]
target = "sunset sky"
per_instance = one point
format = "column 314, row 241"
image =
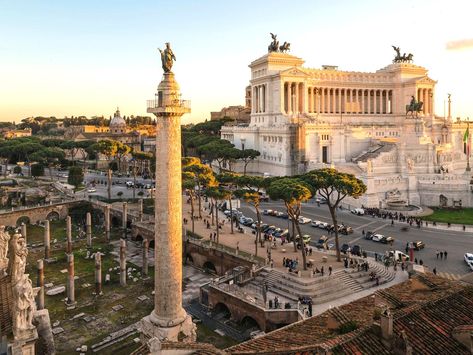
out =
column 88, row 57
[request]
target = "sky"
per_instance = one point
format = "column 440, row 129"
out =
column 63, row 58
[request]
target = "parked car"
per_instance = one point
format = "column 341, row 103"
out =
column 304, row 220
column 273, row 213
column 267, row 212
column 279, row 214
column 91, row 190
column 356, row 250
column 345, row 248
column 285, row 215
column 469, row 260
column 322, row 243
column 315, row 223
column 321, row 200
column 418, row 245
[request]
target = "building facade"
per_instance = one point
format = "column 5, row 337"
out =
column 304, row 119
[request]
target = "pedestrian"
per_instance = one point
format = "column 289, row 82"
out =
column 445, row 254
column 421, row 262
column 330, row 270
column 437, row 254
column 363, row 232
column 284, row 261
column 392, row 222
column 322, row 270
column 441, row 255
column 434, row 271
column 464, row 227
column 415, row 260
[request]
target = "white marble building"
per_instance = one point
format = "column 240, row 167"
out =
column 304, row 118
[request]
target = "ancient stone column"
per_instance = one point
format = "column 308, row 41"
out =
column 47, row 240
column 23, row 231
column 107, row 223
column 124, row 217
column 40, row 283
column 145, row 256
column 69, row 235
column 98, row 273
column 168, row 320
column 123, row 262
column 140, row 210
column 71, row 298
column 88, row 229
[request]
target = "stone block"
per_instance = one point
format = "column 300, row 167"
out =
column 56, row 290
column 58, row 330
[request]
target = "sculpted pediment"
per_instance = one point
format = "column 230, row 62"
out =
column 295, row 72
column 425, row 80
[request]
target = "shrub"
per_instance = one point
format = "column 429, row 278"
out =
column 120, row 193
column 141, row 193
column 76, row 176
column 347, row 327
column 37, row 170
column 17, row 169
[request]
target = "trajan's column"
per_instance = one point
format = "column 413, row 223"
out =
column 168, row 321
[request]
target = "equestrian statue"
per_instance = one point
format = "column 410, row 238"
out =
column 414, row 107
column 275, row 47
column 405, row 58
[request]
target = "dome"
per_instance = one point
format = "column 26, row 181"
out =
column 117, row 120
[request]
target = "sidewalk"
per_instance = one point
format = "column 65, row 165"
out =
column 246, row 242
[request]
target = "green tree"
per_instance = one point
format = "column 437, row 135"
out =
column 204, row 177
column 17, row 169
column 216, row 194
column 249, row 190
column 37, row 169
column 48, row 157
column 76, row 176
column 247, row 156
column 230, row 180
column 334, row 186
column 292, row 191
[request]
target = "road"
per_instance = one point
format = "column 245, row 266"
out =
column 455, row 243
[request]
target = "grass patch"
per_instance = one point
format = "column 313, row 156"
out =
column 461, row 216
column 206, row 335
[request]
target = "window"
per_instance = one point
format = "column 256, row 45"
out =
column 280, row 139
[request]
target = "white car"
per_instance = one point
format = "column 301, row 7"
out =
column 469, row 260
column 304, row 220
column 323, row 225
column 377, row 237
column 91, row 190
column 315, row 223
column 129, row 184
column 358, row 211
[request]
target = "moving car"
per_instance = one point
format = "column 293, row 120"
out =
column 399, row 255
column 469, row 260
column 267, row 212
column 322, row 243
column 91, row 190
column 387, row 240
column 346, row 230
column 279, row 214
column 323, row 225
column 315, row 223
column 358, row 211
column 377, row 237
column 345, row 248
column 418, row 245
column 304, row 220
column 369, row 235
column 356, row 250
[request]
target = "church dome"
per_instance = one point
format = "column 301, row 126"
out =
column 117, row 120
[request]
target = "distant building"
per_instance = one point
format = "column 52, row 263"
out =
column 237, row 113
column 17, row 133
column 117, row 130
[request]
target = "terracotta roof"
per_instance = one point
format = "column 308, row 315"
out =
column 426, row 309
column 6, row 302
column 195, row 348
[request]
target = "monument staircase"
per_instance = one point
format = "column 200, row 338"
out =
column 374, row 151
column 325, row 288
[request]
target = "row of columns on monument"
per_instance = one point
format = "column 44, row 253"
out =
column 70, row 286
column 427, row 97
column 299, row 99
column 259, row 102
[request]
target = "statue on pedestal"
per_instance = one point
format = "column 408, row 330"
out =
column 24, row 306
column 167, row 58
column 19, row 254
column 4, row 240
column 410, row 165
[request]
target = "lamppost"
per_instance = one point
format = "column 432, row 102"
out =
column 468, row 145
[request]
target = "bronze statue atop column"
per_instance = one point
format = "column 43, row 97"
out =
column 167, row 58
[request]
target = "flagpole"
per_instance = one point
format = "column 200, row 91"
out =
column 468, row 147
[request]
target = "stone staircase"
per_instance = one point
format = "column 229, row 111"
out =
column 322, row 289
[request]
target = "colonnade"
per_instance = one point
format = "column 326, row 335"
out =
column 336, row 100
column 427, row 97
column 259, row 102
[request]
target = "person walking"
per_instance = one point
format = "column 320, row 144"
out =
column 437, row 254
column 445, row 254
column 441, row 255
column 330, row 270
column 434, row 271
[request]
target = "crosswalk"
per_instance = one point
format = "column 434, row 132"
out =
column 449, row 276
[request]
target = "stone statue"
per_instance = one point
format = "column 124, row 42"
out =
column 274, row 46
column 4, row 239
column 24, row 306
column 414, row 106
column 398, row 53
column 167, row 58
column 410, row 165
column 20, row 252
